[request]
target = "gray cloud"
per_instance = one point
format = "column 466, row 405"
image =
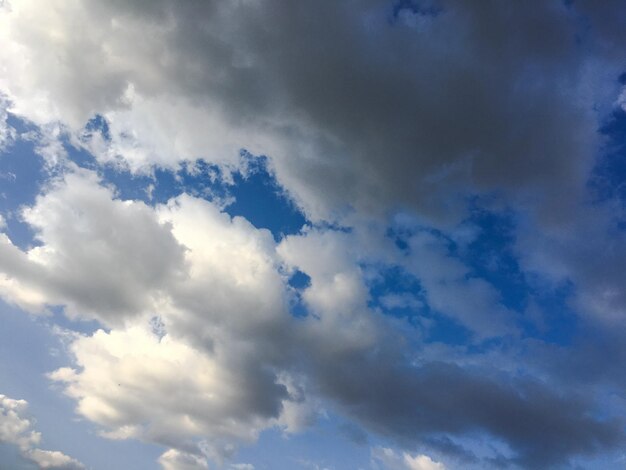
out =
column 541, row 426
column 377, row 382
column 101, row 258
column 228, row 360
column 357, row 110
column 375, row 111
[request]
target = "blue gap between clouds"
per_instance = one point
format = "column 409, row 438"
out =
column 22, row 175
column 394, row 280
column 299, row 281
column 608, row 180
column 489, row 256
column 257, row 195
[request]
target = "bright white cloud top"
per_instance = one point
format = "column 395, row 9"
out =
column 263, row 234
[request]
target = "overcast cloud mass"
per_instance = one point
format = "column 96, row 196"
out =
column 264, row 234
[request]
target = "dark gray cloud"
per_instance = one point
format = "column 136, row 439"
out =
column 416, row 404
column 377, row 112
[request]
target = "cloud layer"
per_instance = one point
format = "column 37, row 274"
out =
column 389, row 125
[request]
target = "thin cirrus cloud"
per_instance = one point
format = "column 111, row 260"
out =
column 387, row 126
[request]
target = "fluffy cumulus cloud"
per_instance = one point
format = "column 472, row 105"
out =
column 204, row 305
column 116, row 275
column 17, row 428
column 395, row 128
column 197, row 394
column 226, row 358
column 222, row 348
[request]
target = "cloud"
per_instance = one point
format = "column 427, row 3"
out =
column 17, row 428
column 364, row 110
column 205, row 295
column 474, row 103
column 452, row 291
column 197, row 395
column 227, row 359
column 7, row 133
column 242, row 466
column 438, row 398
column 590, row 254
column 176, row 460
column 360, row 362
column 391, row 460
column 53, row 459
column 329, row 99
column 129, row 257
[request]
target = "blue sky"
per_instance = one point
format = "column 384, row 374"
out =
column 260, row 235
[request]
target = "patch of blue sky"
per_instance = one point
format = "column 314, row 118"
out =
column 260, row 199
column 251, row 192
column 328, row 444
column 428, row 8
column 298, row 281
column 22, row 175
column 399, row 294
column 490, row 254
column 484, row 243
column 552, row 318
column 608, row 181
column 543, row 307
column 396, row 291
column 10, row 456
column 56, row 317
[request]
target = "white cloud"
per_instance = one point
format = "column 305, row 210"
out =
column 53, row 459
column 388, row 459
column 177, row 460
column 15, row 428
column 116, row 275
column 337, row 295
column 215, row 284
column 203, row 299
column 223, row 324
column 18, row 429
column 197, row 394
column 232, row 285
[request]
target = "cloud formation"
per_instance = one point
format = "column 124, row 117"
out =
column 17, row 428
column 384, row 122
column 330, row 91
column 225, row 353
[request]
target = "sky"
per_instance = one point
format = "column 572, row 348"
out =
column 330, row 235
